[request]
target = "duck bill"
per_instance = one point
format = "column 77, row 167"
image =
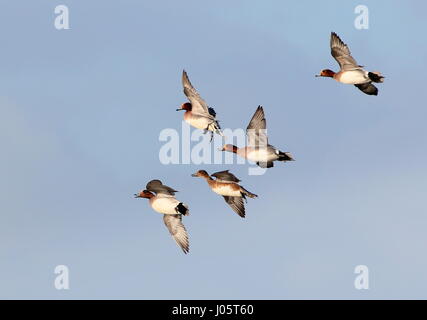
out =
column 194, row 175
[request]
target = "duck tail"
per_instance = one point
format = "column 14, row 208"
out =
column 285, row 156
column 218, row 129
column 376, row 76
column 182, row 208
column 247, row 193
column 214, row 127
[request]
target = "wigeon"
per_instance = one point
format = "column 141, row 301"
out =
column 350, row 71
column 197, row 113
column 162, row 199
column 227, row 185
column 258, row 149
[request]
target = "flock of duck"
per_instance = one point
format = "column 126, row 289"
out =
column 199, row 115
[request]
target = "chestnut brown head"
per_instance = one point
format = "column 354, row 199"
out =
column 144, row 194
column 326, row 73
column 229, row 148
column 185, row 106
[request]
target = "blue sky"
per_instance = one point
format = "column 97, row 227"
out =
column 82, row 109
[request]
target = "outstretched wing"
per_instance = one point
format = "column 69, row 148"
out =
column 174, row 224
column 225, row 176
column 367, row 88
column 341, row 53
column 198, row 105
column 256, row 130
column 158, row 187
column 236, row 203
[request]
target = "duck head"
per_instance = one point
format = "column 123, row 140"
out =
column 185, row 106
column 326, row 73
column 144, row 194
column 229, row 148
column 201, row 174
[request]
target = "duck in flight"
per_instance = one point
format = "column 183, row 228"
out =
column 197, row 113
column 258, row 149
column 162, row 199
column 350, row 71
column 227, row 185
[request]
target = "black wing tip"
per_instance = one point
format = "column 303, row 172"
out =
column 185, row 77
column 241, row 211
column 241, row 214
column 186, row 249
column 337, row 37
column 259, row 109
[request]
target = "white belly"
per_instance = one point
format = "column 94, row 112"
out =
column 164, row 205
column 227, row 191
column 353, row 77
column 199, row 122
column 261, row 155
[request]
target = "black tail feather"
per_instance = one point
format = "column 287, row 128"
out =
column 376, row 77
column 245, row 192
column 182, row 209
column 285, row 156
